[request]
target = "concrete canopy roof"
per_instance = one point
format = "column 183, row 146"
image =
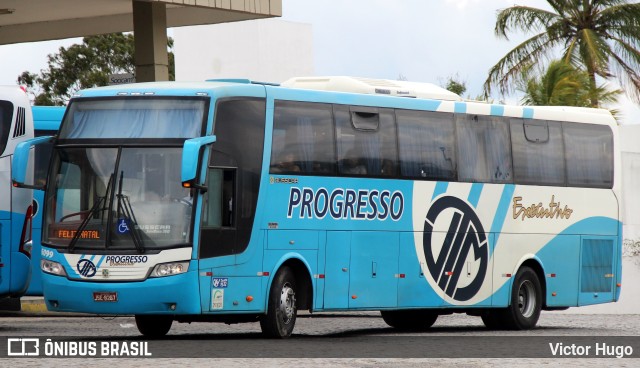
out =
column 40, row 20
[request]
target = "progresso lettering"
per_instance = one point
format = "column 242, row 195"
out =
column 125, row 260
column 343, row 204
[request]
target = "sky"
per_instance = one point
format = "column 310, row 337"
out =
column 421, row 40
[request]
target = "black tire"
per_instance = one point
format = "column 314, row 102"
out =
column 282, row 308
column 153, row 326
column 526, row 302
column 410, row 320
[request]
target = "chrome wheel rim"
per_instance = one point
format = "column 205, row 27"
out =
column 527, row 299
column 287, row 303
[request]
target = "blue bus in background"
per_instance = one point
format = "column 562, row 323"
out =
column 46, row 121
column 233, row 201
column 16, row 126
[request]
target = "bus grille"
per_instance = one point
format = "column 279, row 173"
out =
column 597, row 266
column 20, row 128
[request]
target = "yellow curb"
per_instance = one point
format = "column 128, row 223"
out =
column 33, row 306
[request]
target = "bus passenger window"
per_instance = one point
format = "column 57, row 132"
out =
column 286, row 164
column 366, row 141
column 484, row 149
column 302, row 139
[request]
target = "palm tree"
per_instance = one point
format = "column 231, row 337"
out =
column 600, row 36
column 561, row 84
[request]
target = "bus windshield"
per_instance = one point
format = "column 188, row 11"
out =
column 131, row 118
column 117, row 198
column 6, row 114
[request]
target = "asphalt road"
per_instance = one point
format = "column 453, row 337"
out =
column 343, row 340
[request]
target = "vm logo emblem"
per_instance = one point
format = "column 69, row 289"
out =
column 86, row 268
column 465, row 235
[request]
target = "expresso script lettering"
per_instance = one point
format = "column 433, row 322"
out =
column 553, row 211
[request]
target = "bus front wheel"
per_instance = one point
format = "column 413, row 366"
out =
column 281, row 309
column 410, row 320
column 153, row 326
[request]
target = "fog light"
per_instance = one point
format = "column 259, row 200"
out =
column 172, row 307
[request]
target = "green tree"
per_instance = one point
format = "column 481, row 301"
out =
column 561, row 84
column 84, row 65
column 600, row 36
column 455, row 85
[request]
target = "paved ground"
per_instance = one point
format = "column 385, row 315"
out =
column 333, row 332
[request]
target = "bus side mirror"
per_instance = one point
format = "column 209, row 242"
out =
column 23, row 163
column 190, row 160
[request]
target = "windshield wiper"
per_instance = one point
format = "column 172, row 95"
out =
column 124, row 205
column 85, row 222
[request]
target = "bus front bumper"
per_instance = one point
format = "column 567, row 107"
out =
column 178, row 294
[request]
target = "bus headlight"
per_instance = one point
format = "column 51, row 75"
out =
column 169, row 269
column 52, row 267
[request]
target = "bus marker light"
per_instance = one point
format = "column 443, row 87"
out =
column 618, row 284
column 319, row 276
column 400, row 275
column 249, row 298
column 354, row 297
column 506, row 275
column 208, row 273
column 554, row 294
column 264, row 273
column 449, row 273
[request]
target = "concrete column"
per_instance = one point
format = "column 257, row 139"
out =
column 150, row 33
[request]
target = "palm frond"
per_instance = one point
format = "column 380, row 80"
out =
column 522, row 56
column 594, row 52
column 626, row 64
column 523, row 18
column 618, row 14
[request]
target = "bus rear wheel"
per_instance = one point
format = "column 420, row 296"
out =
column 153, row 326
column 410, row 320
column 282, row 308
column 524, row 309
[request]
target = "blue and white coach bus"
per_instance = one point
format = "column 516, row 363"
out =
column 234, row 201
column 16, row 125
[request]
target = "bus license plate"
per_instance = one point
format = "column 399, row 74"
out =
column 107, row 296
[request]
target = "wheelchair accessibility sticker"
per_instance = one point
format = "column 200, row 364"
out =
column 123, row 226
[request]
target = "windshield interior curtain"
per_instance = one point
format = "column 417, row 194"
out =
column 136, row 123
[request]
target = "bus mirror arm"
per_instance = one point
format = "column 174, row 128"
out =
column 20, row 165
column 191, row 158
column 192, row 184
